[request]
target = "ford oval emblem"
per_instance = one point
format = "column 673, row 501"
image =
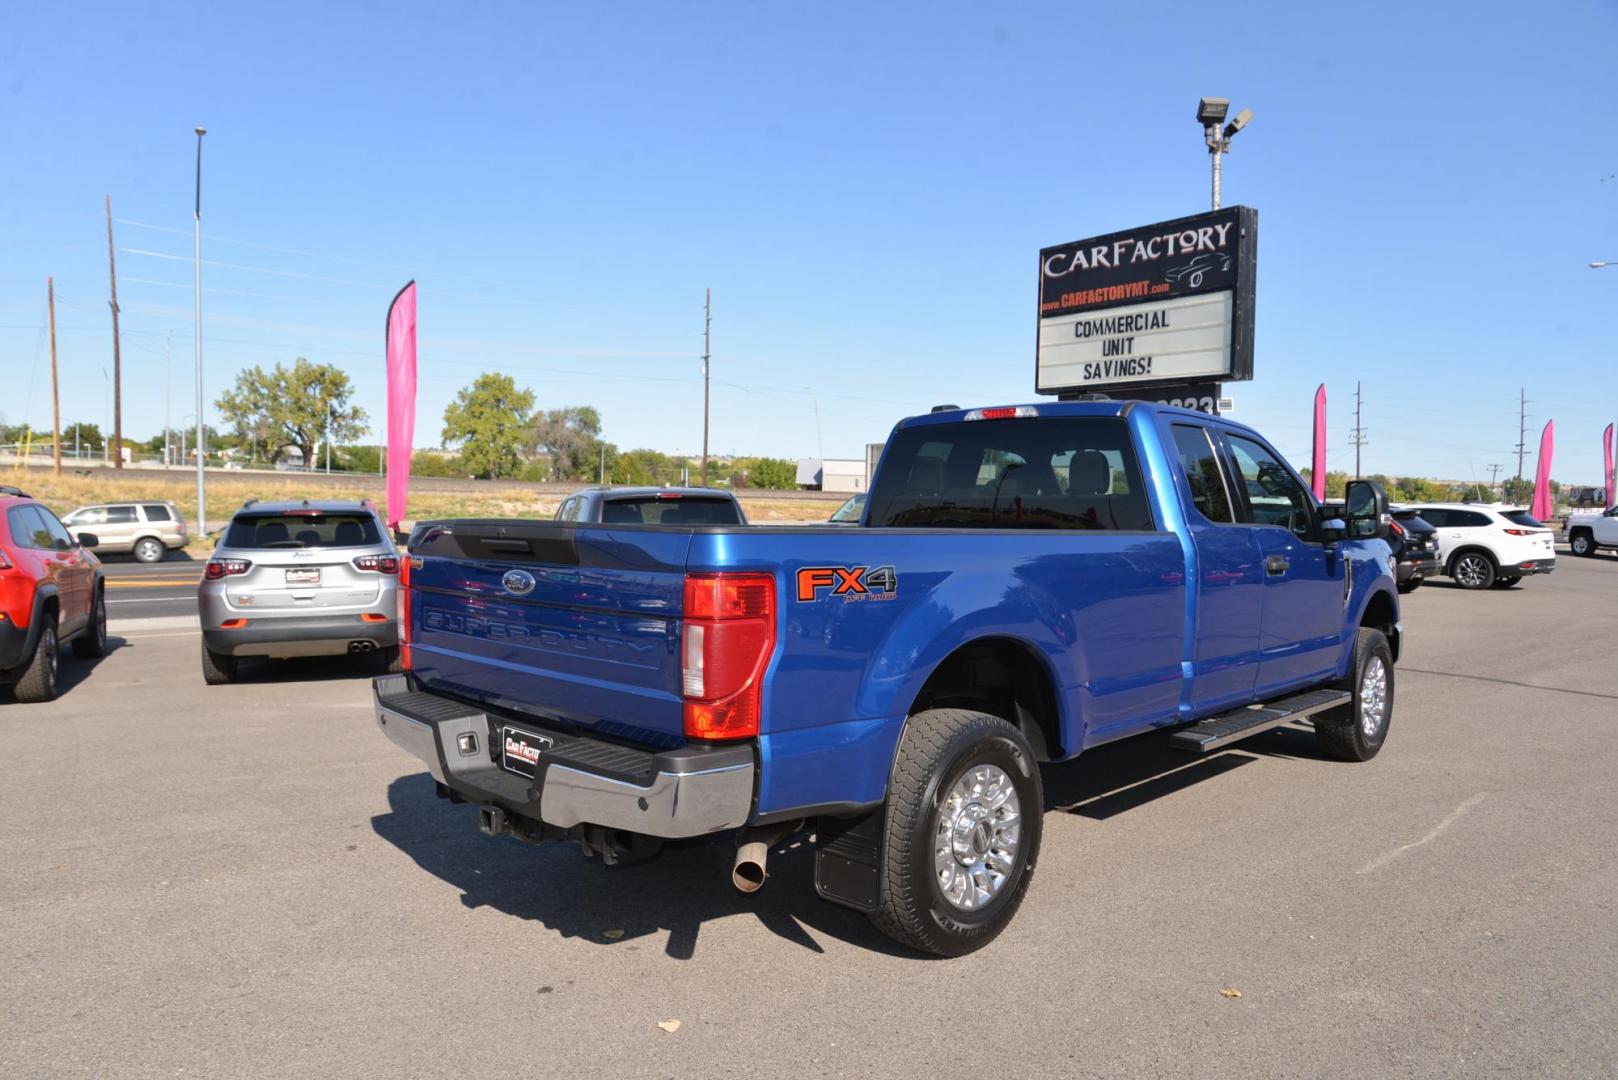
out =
column 518, row 582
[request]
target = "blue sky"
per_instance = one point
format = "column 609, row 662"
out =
column 865, row 189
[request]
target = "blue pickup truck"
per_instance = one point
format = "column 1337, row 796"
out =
column 1027, row 582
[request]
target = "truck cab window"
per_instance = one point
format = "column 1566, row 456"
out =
column 1202, row 472
column 1274, row 495
column 1023, row 473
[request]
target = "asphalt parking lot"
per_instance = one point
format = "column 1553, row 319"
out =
column 250, row 881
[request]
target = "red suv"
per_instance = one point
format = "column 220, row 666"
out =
column 51, row 591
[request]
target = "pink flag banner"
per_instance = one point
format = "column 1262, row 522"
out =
column 1606, row 457
column 1317, row 464
column 401, row 343
column 1542, row 475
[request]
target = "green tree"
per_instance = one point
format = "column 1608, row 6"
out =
column 570, row 437
column 1515, row 490
column 487, row 421
column 428, row 463
column 297, row 406
column 89, row 436
column 775, row 474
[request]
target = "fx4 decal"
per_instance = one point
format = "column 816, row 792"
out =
column 850, row 583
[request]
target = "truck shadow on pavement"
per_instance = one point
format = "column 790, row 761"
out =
column 1113, row 779
column 689, row 884
column 555, row 885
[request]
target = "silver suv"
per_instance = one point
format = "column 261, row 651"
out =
column 300, row 579
column 147, row 530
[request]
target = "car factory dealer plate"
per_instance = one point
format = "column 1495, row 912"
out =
column 520, row 750
column 304, row 576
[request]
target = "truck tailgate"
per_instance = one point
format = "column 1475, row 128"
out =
column 573, row 625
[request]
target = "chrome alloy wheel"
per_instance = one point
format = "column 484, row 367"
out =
column 975, row 849
column 1373, row 697
column 1471, row 571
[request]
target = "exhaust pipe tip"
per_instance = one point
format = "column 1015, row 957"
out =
column 749, row 873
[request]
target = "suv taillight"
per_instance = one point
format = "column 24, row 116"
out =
column 402, row 620
column 1520, row 532
column 727, row 639
column 219, row 568
column 382, row 564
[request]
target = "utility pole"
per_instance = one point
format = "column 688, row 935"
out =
column 202, row 449
column 168, row 398
column 56, row 397
column 1522, row 429
column 707, row 325
column 117, row 367
column 603, row 480
column 1357, row 439
column 1494, row 471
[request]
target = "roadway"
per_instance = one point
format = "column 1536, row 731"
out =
column 250, row 881
column 151, row 590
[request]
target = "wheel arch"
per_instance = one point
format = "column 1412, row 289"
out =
column 1381, row 612
column 1003, row 676
column 1470, row 549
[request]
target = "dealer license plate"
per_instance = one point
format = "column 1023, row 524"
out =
column 309, row 575
column 520, row 750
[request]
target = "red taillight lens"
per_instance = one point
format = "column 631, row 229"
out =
column 1398, row 530
column 728, row 637
column 219, row 568
column 403, row 620
column 1519, row 532
column 382, row 564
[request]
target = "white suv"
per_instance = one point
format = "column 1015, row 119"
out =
column 1483, row 545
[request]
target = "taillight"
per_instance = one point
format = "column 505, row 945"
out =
column 1521, row 532
column 1398, row 530
column 382, row 564
column 220, row 568
column 403, row 619
column 728, row 637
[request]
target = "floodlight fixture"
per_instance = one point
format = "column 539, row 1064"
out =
column 1243, row 118
column 1212, row 110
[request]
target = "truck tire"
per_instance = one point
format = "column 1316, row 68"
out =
column 217, row 668
column 36, row 680
column 92, row 641
column 962, row 831
column 1582, row 542
column 1359, row 731
column 1472, row 570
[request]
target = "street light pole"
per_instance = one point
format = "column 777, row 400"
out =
column 202, row 513
column 1210, row 113
column 1611, row 477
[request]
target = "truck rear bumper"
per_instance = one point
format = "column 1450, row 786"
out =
column 671, row 794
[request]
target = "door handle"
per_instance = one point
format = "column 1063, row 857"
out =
column 1276, row 565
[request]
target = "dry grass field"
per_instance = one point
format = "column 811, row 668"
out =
column 227, row 492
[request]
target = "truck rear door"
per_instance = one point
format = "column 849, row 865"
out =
column 575, row 625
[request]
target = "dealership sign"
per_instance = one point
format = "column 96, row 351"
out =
column 1157, row 306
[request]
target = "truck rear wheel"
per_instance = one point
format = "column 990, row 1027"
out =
column 961, row 836
column 1358, row 731
column 1582, row 542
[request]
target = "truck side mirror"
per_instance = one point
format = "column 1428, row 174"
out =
column 1365, row 505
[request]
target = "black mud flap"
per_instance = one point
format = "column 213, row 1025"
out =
column 846, row 857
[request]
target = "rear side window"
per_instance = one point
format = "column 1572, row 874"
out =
column 654, row 510
column 302, row 531
column 156, row 512
column 28, row 528
column 1202, row 472
column 1022, row 473
column 121, row 515
column 1523, row 518
column 1467, row 519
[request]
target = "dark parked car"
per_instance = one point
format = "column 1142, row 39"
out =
column 1415, row 547
column 652, row 506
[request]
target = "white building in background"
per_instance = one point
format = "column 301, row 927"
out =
column 845, row 475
